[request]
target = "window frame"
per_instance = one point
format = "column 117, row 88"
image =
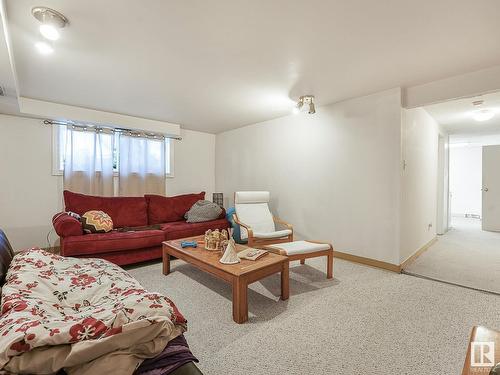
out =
column 57, row 155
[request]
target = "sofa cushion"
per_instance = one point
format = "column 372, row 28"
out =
column 112, row 241
column 125, row 257
column 169, row 209
column 124, row 211
column 181, row 229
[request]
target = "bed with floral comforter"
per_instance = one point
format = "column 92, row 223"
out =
column 86, row 316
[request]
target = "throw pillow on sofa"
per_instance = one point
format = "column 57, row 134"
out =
column 203, row 211
column 96, row 222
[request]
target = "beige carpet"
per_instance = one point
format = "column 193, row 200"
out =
column 465, row 255
column 365, row 321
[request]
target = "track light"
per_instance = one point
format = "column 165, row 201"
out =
column 51, row 21
column 305, row 100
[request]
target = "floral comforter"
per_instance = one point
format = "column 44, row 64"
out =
column 87, row 316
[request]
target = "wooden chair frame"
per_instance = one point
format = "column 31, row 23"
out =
column 259, row 242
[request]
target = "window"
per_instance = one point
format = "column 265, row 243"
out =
column 59, row 147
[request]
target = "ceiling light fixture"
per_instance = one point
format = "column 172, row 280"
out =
column 44, row 48
column 49, row 32
column 51, row 21
column 305, row 100
column 482, row 114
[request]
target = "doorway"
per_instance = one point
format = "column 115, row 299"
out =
column 468, row 253
column 465, row 183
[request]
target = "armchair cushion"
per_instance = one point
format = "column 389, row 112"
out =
column 301, row 247
column 276, row 234
column 243, row 197
column 66, row 225
column 252, row 210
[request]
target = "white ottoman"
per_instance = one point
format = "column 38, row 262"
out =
column 301, row 250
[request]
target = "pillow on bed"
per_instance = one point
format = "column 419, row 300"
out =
column 96, row 222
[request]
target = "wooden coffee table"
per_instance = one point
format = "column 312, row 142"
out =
column 239, row 275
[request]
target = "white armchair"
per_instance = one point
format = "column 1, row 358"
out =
column 257, row 223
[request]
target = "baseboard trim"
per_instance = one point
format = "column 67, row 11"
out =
column 417, row 253
column 368, row 261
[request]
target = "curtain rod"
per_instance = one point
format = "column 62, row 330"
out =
column 117, row 129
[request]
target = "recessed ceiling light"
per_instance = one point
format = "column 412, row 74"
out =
column 44, row 48
column 49, row 31
column 483, row 115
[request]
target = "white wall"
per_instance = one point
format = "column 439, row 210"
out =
column 443, row 185
column 419, row 182
column 194, row 162
column 466, row 180
column 461, row 86
column 334, row 175
column 30, row 195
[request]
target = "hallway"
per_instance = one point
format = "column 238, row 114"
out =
column 465, row 255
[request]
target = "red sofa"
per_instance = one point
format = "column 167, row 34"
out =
column 132, row 246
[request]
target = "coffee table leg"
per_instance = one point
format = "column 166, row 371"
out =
column 166, row 262
column 285, row 281
column 240, row 300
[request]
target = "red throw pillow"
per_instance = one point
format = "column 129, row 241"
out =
column 168, row 209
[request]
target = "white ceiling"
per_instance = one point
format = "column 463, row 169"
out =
column 216, row 65
column 474, row 140
column 456, row 115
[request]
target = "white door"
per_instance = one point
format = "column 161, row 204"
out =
column 491, row 188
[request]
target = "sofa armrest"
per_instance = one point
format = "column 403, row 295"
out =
column 66, row 225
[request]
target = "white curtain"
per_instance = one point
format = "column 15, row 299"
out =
column 88, row 161
column 142, row 165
